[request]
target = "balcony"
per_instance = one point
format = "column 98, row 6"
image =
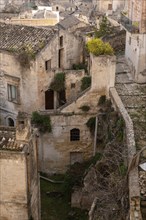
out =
column 131, row 26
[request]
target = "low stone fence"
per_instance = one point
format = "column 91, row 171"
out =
column 133, row 179
column 92, row 210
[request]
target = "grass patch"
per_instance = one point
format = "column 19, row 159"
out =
column 53, row 208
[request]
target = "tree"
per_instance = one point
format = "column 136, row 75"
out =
column 105, row 28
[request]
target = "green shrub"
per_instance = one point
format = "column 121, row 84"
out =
column 43, row 122
column 102, row 100
column 91, row 124
column 85, row 108
column 26, row 54
column 86, row 82
column 80, row 66
column 98, row 47
column 122, row 169
column 58, row 84
column 105, row 28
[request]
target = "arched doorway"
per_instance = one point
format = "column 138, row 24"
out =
column 11, row 122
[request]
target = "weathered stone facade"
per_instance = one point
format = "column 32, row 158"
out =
column 57, row 149
column 136, row 40
column 9, row 5
column 108, row 6
column 36, row 79
column 20, row 190
column 137, row 13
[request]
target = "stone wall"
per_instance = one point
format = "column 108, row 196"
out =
column 19, row 185
column 12, row 73
column 55, row 148
column 102, row 71
column 13, row 190
column 24, row 134
column 134, row 190
column 135, row 54
column 32, row 22
column 103, row 5
column 137, row 13
column 34, row 81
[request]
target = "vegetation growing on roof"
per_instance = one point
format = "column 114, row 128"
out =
column 25, row 55
column 98, row 47
column 58, row 83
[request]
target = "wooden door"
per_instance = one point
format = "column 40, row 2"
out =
column 49, row 99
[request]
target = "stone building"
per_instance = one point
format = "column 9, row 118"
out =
column 14, row 5
column 71, row 23
column 43, row 16
column 19, row 179
column 29, row 61
column 108, row 6
column 26, row 86
column 134, row 21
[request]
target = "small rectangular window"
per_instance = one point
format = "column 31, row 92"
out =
column 12, row 93
column 61, row 41
column 110, row 6
column 48, row 65
column 73, row 85
column 75, row 134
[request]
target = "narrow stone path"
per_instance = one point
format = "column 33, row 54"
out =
column 133, row 96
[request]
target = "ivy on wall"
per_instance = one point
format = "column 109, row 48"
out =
column 58, row 83
column 43, row 122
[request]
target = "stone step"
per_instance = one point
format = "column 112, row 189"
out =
column 137, row 114
column 134, row 101
column 131, row 88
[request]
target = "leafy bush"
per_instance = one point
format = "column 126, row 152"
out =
column 104, row 28
column 42, row 121
column 58, row 84
column 91, row 124
column 98, row 47
column 26, row 55
column 80, row 66
column 86, row 82
column 85, row 108
column 102, row 100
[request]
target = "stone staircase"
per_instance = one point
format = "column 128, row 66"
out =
column 133, row 96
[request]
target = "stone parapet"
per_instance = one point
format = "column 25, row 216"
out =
column 133, row 179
